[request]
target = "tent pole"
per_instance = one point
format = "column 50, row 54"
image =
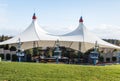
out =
column 54, row 44
column 79, row 46
column 34, row 44
column 70, row 44
column 19, row 50
column 37, row 44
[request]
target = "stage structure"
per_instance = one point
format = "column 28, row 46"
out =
column 79, row 39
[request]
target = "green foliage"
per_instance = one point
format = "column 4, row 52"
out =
column 6, row 47
column 114, row 59
column 10, row 71
column 13, row 48
column 88, row 52
column 114, row 50
column 14, row 57
column 35, row 51
column 2, row 56
column 101, row 59
column 8, row 56
column 1, row 46
column 28, row 51
column 46, row 52
column 107, row 59
column 113, row 41
column 79, row 54
column 3, row 38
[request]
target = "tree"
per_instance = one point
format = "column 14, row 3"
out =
column 14, row 57
column 8, row 56
column 35, row 51
column 13, row 48
column 86, row 55
column 6, row 47
column 2, row 38
column 28, row 51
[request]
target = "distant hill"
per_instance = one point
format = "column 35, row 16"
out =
column 3, row 38
column 113, row 41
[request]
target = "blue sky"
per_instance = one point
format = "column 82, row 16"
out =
column 101, row 17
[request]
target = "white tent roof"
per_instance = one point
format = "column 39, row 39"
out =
column 32, row 33
column 88, row 39
column 78, row 39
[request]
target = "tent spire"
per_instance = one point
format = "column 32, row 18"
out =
column 81, row 20
column 34, row 16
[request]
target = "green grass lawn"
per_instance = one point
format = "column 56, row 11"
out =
column 13, row 71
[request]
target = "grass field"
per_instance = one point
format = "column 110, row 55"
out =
column 13, row 71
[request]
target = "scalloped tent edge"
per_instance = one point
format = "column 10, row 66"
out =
column 79, row 39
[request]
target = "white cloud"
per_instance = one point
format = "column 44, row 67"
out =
column 57, row 30
column 10, row 31
column 104, row 31
column 107, row 31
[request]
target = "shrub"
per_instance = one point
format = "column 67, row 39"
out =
column 2, row 56
column 13, row 48
column 6, row 47
column 107, row 59
column 8, row 56
column 114, row 59
column 14, row 57
column 101, row 59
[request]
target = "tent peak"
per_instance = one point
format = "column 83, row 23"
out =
column 81, row 20
column 34, row 16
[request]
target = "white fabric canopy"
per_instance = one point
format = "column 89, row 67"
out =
column 79, row 39
column 85, row 38
column 31, row 34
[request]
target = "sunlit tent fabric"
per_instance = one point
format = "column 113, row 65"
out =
column 32, row 34
column 79, row 39
column 84, row 40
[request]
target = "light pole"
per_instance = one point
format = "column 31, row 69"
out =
column 57, row 52
column 94, row 54
column 19, row 52
column 118, row 57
